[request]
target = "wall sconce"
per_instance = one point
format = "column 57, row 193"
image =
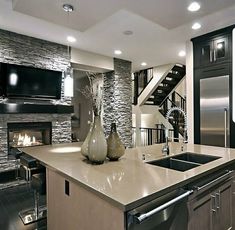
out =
column 68, row 82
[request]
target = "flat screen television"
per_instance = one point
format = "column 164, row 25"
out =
column 27, row 82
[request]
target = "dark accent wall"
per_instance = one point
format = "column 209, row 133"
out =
column 29, row 51
column 117, row 101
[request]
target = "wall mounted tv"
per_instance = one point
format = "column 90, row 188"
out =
column 27, row 82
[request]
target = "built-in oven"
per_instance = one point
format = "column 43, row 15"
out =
column 168, row 212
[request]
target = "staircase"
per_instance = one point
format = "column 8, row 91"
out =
column 156, row 88
column 177, row 118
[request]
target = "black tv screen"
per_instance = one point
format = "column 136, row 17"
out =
column 29, row 82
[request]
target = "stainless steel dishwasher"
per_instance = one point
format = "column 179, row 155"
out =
column 168, row 212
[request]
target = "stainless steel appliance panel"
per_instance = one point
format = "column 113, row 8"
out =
column 168, row 212
column 214, row 111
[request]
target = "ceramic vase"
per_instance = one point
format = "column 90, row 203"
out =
column 84, row 147
column 97, row 147
column 116, row 148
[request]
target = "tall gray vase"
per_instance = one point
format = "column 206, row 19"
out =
column 84, row 147
column 97, row 147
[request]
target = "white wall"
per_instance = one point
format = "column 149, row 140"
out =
column 86, row 60
column 189, row 90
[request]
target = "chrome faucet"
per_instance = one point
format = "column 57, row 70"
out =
column 165, row 148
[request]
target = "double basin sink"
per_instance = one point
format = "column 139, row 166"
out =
column 184, row 161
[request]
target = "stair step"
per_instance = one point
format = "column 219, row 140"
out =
column 172, row 82
column 164, row 88
column 175, row 76
column 179, row 69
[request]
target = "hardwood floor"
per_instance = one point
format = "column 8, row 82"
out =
column 12, row 201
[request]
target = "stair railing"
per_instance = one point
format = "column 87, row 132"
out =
column 176, row 120
column 150, row 136
column 140, row 82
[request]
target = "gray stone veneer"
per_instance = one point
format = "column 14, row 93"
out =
column 28, row 51
column 117, row 102
column 61, row 128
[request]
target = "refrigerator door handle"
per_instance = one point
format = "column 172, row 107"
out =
column 225, row 127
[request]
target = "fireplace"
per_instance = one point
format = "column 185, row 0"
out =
column 28, row 134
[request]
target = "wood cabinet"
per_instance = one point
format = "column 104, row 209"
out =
column 212, row 51
column 212, row 209
column 212, row 57
column 71, row 206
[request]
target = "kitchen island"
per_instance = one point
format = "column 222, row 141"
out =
column 85, row 196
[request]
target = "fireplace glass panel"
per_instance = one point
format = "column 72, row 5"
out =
column 29, row 134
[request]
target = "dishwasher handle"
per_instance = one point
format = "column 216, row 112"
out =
column 144, row 216
column 198, row 188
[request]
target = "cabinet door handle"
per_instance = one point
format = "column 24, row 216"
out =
column 211, row 56
column 213, row 209
column 214, row 53
column 203, row 51
column 217, row 195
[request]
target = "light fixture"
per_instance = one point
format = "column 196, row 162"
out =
column 68, row 74
column 220, row 45
column 13, row 79
column 71, row 39
column 68, row 8
column 194, row 6
column 68, row 82
column 143, row 63
column 128, row 32
column 182, row 53
column 196, row 26
column 118, row 52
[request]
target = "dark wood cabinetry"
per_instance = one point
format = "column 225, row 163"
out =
column 212, row 209
column 212, row 54
column 212, row 51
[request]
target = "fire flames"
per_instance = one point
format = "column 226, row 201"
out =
column 23, row 139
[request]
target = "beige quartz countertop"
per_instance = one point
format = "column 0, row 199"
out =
column 128, row 182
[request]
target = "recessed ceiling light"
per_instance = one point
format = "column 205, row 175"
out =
column 68, row 7
column 196, row 26
column 128, row 32
column 71, row 39
column 182, row 53
column 143, row 63
column 194, row 6
column 118, row 52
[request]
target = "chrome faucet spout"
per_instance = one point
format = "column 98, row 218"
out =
column 165, row 148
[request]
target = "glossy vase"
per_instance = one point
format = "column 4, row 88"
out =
column 97, row 147
column 84, row 147
column 116, row 148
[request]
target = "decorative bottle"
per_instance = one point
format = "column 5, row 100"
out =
column 97, row 147
column 84, row 147
column 116, row 148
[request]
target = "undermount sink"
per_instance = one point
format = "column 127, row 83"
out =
column 184, row 161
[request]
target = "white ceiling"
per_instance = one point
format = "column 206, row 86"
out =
column 160, row 27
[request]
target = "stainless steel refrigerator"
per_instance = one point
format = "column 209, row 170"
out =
column 214, row 111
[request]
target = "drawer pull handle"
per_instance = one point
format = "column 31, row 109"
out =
column 198, row 188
